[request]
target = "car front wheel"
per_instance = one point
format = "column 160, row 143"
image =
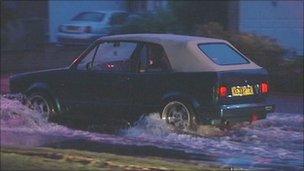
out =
column 42, row 103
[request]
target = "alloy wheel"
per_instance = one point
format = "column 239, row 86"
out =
column 40, row 104
column 177, row 114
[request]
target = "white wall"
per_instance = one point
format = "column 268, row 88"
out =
column 62, row 11
column 282, row 20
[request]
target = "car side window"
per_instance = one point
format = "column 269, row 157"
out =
column 86, row 62
column 114, row 57
column 118, row 18
column 153, row 59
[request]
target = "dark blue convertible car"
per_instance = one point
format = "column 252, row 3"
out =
column 188, row 80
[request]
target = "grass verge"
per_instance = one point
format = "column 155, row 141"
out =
column 58, row 159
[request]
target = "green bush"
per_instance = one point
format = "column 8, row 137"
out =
column 159, row 22
column 192, row 12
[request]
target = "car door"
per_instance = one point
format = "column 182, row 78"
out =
column 77, row 90
column 76, row 86
column 153, row 78
column 112, row 73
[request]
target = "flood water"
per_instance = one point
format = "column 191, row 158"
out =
column 274, row 143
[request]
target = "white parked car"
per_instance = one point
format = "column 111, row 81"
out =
column 86, row 27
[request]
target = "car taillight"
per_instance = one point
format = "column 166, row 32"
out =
column 223, row 91
column 264, row 87
column 87, row 29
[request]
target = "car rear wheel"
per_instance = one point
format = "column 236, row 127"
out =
column 178, row 115
column 42, row 103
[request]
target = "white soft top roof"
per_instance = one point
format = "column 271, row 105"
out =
column 183, row 52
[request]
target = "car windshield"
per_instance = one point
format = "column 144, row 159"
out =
column 222, row 54
column 89, row 16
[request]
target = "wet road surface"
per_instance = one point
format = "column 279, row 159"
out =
column 273, row 143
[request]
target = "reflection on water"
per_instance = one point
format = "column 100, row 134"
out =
column 276, row 142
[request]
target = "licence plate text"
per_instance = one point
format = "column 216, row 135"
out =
column 242, row 91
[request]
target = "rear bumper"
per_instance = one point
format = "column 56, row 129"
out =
column 235, row 113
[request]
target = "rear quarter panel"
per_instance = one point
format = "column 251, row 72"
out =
column 154, row 89
column 198, row 85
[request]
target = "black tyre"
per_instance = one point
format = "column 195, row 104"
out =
column 42, row 103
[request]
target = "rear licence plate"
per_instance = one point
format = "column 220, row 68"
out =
column 242, row 91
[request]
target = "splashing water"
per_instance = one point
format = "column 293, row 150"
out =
column 276, row 142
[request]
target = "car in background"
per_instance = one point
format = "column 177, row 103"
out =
column 86, row 27
column 188, row 80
